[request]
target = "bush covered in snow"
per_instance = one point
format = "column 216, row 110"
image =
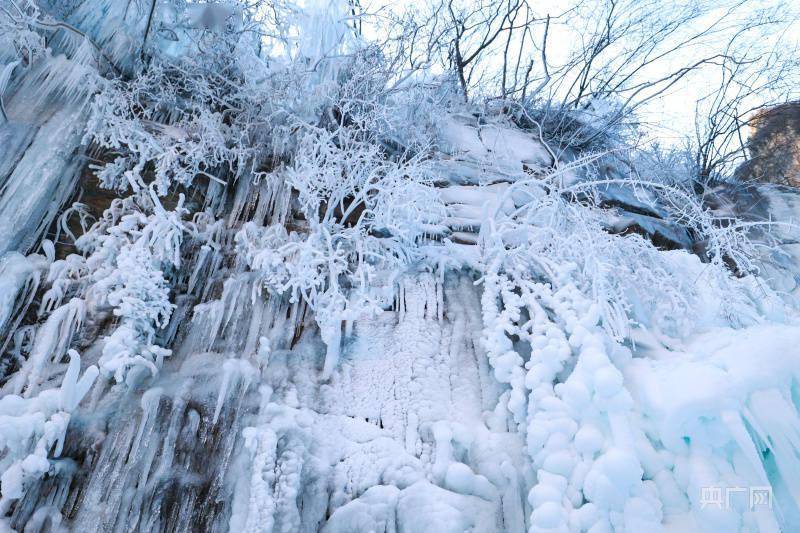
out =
column 367, row 293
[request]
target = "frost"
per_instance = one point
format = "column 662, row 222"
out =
column 31, row 426
column 268, row 281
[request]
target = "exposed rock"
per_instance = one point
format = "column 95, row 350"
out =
column 774, row 146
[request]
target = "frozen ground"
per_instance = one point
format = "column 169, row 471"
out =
column 486, row 338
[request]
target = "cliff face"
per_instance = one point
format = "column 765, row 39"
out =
column 774, row 147
column 356, row 319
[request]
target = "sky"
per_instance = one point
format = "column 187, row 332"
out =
column 668, row 118
column 671, row 116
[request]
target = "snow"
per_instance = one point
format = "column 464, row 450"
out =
column 31, row 426
column 501, row 147
column 712, row 396
column 317, row 304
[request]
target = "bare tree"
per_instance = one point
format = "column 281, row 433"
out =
column 623, row 54
column 476, row 27
column 749, row 79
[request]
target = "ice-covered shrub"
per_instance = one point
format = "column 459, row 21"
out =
column 303, row 159
column 125, row 255
column 558, row 226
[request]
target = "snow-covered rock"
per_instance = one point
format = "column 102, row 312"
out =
column 293, row 313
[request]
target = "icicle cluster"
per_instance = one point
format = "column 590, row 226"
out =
column 256, row 282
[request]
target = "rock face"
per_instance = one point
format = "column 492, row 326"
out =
column 551, row 357
column 401, row 437
column 774, row 146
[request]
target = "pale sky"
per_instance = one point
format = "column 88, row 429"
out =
column 671, row 115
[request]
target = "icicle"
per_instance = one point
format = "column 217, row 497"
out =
column 258, row 305
column 52, row 340
column 332, row 337
column 74, row 389
column 440, row 292
column 5, row 76
column 444, row 452
column 41, row 182
column 776, row 423
column 234, row 371
column 261, row 443
column 150, row 402
column 264, row 351
column 227, row 370
column 200, row 263
column 401, row 295
column 19, row 281
column 43, row 517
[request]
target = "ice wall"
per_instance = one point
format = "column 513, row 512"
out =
column 149, row 381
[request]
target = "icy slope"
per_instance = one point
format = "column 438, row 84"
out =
column 475, row 400
column 299, row 313
column 725, row 408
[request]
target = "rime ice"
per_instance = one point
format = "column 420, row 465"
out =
column 246, row 286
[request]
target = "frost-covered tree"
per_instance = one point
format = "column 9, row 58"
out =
column 331, row 266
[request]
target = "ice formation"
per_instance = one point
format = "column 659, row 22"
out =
column 415, row 321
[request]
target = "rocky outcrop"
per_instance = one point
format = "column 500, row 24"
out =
column 774, row 147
